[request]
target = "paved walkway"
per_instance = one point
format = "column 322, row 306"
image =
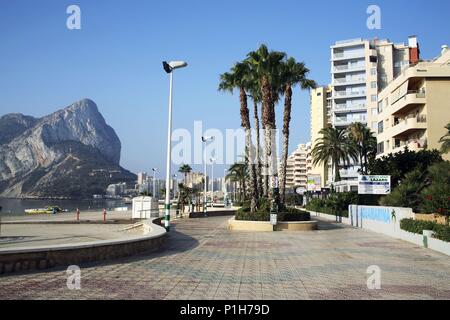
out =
column 203, row 260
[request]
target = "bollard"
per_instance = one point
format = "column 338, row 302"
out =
column 78, row 214
column 104, row 215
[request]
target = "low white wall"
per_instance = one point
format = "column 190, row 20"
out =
column 386, row 220
column 331, row 217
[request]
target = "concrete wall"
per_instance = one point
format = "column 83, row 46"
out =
column 39, row 258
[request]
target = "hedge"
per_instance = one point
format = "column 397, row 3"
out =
column 287, row 214
column 441, row 232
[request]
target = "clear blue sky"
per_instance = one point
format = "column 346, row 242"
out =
column 115, row 59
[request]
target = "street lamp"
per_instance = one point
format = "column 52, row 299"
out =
column 212, row 160
column 169, row 67
column 205, row 140
column 154, row 182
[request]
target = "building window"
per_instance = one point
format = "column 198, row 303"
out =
column 374, row 125
column 373, row 71
column 374, row 111
column 380, row 107
column 380, row 127
column 319, row 94
column 373, row 98
column 373, row 84
column 380, row 148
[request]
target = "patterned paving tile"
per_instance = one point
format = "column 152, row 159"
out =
column 204, row 260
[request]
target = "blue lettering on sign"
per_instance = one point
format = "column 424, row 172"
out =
column 376, row 214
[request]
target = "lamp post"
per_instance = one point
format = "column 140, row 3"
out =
column 175, row 183
column 169, row 67
column 212, row 160
column 154, row 182
column 205, row 140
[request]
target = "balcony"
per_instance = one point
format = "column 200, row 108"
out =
column 409, row 125
column 409, row 100
column 345, row 108
column 413, row 145
column 340, row 82
column 345, row 123
column 347, row 68
column 341, row 56
column 345, row 94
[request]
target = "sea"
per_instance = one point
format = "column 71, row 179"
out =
column 15, row 207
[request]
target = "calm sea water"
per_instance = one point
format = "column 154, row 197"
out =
column 18, row 206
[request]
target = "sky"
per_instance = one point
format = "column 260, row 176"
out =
column 115, row 58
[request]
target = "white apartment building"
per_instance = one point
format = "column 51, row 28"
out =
column 299, row 166
column 359, row 70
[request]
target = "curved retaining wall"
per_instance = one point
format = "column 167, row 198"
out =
column 38, row 258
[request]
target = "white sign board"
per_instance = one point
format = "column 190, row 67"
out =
column 374, row 184
column 273, row 219
column 145, row 208
column 314, row 182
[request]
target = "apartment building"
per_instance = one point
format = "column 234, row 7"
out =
column 298, row 167
column 195, row 180
column 359, row 69
column 321, row 99
column 414, row 108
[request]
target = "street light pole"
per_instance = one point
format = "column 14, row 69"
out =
column 169, row 67
column 154, row 182
column 212, row 181
column 205, row 140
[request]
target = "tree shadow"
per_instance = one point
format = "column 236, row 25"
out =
column 329, row 225
column 175, row 242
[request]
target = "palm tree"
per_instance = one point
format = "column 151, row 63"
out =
column 365, row 143
column 445, row 140
column 265, row 65
column 185, row 169
column 292, row 73
column 334, row 146
column 238, row 172
column 239, row 77
column 255, row 94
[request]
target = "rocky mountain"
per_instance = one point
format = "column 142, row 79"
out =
column 71, row 153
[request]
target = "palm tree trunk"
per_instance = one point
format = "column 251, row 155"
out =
column 267, row 123
column 245, row 123
column 337, row 176
column 258, row 164
column 286, row 123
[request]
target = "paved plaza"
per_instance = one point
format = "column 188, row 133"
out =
column 204, row 260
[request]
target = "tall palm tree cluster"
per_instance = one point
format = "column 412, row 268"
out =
column 265, row 76
column 342, row 147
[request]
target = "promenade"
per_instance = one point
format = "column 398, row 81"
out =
column 204, row 260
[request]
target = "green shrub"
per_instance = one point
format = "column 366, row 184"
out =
column 263, row 212
column 336, row 204
column 246, row 215
column 441, row 232
column 435, row 198
column 291, row 214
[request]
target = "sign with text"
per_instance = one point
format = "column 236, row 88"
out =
column 314, row 182
column 374, row 184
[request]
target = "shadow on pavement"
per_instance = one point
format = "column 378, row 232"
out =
column 175, row 242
